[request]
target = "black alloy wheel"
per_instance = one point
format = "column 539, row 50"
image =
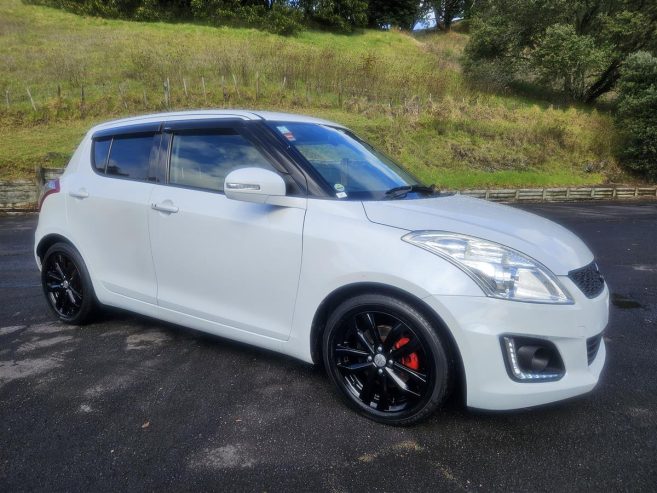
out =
column 386, row 359
column 67, row 285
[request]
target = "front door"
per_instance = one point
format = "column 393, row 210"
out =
column 231, row 262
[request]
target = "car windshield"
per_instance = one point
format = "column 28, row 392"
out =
column 350, row 167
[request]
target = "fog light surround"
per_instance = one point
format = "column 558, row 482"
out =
column 531, row 360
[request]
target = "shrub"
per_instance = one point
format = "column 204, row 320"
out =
column 637, row 114
column 567, row 60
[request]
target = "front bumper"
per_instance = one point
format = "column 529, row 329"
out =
column 478, row 322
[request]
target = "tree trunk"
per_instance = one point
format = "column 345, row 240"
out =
column 604, row 83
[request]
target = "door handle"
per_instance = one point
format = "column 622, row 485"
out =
column 79, row 194
column 168, row 208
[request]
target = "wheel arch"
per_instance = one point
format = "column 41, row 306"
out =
column 49, row 240
column 345, row 292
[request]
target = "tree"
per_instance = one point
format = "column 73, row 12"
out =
column 565, row 59
column 637, row 113
column 385, row 13
column 469, row 7
column 343, row 15
column 586, row 40
column 446, row 11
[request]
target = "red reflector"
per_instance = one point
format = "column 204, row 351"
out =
column 51, row 186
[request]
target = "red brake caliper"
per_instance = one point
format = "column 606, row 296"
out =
column 411, row 361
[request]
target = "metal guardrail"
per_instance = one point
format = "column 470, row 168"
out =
column 563, row 194
column 22, row 195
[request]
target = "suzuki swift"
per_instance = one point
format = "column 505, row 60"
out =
column 292, row 234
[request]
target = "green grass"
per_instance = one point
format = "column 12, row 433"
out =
column 407, row 95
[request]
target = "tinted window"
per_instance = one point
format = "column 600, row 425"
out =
column 101, row 150
column 129, row 157
column 202, row 160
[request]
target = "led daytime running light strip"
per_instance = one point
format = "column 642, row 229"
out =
column 510, row 345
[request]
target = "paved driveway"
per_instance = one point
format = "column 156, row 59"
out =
column 134, row 404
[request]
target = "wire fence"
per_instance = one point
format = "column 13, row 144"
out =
column 228, row 90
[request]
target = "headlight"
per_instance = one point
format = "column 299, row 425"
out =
column 500, row 271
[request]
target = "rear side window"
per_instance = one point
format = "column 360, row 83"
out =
column 202, row 160
column 129, row 157
column 101, row 152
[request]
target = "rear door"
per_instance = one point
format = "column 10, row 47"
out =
column 108, row 205
column 230, row 262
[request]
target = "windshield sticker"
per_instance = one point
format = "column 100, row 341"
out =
column 341, row 195
column 285, row 132
column 339, row 187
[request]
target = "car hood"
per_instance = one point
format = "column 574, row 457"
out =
column 552, row 245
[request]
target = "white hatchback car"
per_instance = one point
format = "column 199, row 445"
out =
column 292, row 234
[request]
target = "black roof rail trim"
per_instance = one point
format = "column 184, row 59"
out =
column 202, row 124
column 134, row 129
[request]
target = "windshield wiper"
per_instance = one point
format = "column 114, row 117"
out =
column 402, row 191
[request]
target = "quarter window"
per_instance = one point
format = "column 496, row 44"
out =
column 129, row 157
column 101, row 151
column 202, row 160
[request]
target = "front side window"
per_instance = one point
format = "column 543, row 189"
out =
column 352, row 168
column 129, row 157
column 203, row 159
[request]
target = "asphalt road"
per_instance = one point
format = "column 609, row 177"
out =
column 134, row 404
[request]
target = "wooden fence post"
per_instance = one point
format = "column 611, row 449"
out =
column 239, row 96
column 31, row 100
column 121, row 96
column 167, row 94
column 38, row 176
column 82, row 105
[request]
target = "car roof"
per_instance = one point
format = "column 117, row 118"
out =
column 212, row 114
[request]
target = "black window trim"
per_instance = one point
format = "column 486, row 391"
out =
column 284, row 158
column 129, row 130
column 240, row 127
column 93, row 155
column 135, row 130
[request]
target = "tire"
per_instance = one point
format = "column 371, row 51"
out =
column 400, row 379
column 67, row 285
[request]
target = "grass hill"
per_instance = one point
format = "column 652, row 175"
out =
column 405, row 94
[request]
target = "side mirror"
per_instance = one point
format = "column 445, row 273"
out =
column 253, row 185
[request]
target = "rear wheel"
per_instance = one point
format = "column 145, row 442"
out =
column 386, row 359
column 67, row 285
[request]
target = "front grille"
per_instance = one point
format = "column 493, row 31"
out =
column 592, row 347
column 588, row 279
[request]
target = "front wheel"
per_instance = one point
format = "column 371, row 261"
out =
column 67, row 285
column 386, row 359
